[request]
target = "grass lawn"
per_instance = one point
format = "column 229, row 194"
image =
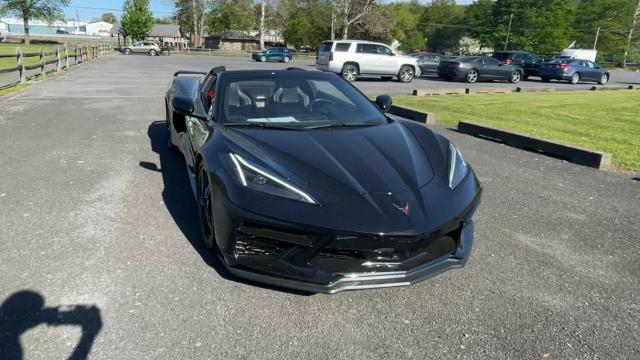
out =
column 10, row 48
column 607, row 121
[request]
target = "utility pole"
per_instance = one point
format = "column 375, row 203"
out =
column 77, row 22
column 506, row 42
column 333, row 20
column 595, row 42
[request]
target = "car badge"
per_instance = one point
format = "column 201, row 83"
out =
column 404, row 209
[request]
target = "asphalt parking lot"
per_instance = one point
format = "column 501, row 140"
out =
column 100, row 247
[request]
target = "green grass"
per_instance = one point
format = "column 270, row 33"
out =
column 10, row 48
column 607, row 121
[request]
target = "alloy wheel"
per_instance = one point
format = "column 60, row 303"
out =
column 286, row 59
column 472, row 76
column 406, row 74
column 515, row 77
column 263, row 58
column 604, row 79
column 350, row 73
column 575, row 78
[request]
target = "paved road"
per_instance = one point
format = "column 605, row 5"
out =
column 99, row 246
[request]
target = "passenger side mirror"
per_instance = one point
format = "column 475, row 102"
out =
column 383, row 102
column 182, row 105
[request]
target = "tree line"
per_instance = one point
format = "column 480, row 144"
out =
column 542, row 26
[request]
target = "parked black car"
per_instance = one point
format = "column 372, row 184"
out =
column 302, row 182
column 475, row 68
column 574, row 71
column 529, row 62
column 429, row 62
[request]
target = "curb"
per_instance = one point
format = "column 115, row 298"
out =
column 581, row 156
column 425, row 118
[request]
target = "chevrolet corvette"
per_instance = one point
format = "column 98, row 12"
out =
column 302, row 182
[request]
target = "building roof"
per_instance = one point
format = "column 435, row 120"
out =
column 233, row 35
column 158, row 30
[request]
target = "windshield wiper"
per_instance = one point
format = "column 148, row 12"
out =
column 261, row 125
column 335, row 125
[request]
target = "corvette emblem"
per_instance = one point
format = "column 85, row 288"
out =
column 404, row 209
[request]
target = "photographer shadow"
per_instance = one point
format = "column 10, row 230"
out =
column 25, row 310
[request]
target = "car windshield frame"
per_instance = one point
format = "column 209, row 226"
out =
column 337, row 103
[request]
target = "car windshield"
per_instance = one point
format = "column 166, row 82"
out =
column 295, row 102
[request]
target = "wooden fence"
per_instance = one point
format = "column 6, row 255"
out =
column 81, row 54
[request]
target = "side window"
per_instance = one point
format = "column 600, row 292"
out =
column 342, row 47
column 534, row 58
column 207, row 91
column 491, row 61
column 367, row 49
column 590, row 64
column 383, row 50
column 435, row 58
column 520, row 57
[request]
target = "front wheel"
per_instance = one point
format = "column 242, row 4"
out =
column 263, row 59
column 406, row 74
column 127, row 51
column 515, row 77
column 153, row 52
column 472, row 76
column 604, row 79
column 205, row 209
column 286, row 59
column 350, row 72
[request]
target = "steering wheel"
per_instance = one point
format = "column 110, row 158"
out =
column 315, row 103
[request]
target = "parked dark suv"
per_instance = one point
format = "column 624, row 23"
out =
column 529, row 62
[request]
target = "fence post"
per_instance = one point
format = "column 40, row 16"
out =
column 66, row 56
column 42, row 62
column 76, row 55
column 20, row 65
column 209, row 52
column 188, row 50
column 58, row 62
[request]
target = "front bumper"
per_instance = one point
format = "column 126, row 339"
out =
column 318, row 260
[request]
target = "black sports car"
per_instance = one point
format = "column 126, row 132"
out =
column 475, row 68
column 304, row 183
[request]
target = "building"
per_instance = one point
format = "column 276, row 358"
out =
column 16, row 26
column 98, row 28
column 4, row 27
column 232, row 41
column 165, row 34
column 271, row 37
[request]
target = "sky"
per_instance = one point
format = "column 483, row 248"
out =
column 92, row 9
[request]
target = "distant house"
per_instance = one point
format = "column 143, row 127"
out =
column 165, row 34
column 98, row 28
column 4, row 27
column 232, row 41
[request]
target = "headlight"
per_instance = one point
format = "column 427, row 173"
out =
column 255, row 178
column 457, row 167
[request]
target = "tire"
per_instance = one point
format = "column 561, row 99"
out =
column 153, row 52
column 387, row 78
column 575, row 78
column 515, row 77
column 170, row 144
column 127, row 51
column 472, row 76
column 604, row 79
column 205, row 209
column 406, row 74
column 349, row 72
column 286, row 59
column 263, row 59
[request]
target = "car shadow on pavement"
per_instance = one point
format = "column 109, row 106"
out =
column 24, row 310
column 178, row 198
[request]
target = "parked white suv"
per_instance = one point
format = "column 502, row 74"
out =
column 351, row 58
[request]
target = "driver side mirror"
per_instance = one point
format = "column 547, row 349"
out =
column 383, row 102
column 182, row 105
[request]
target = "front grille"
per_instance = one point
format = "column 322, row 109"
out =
column 251, row 245
column 346, row 254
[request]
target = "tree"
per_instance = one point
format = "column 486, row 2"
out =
column 352, row 11
column 226, row 15
column 542, row 26
column 164, row 20
column 297, row 30
column 47, row 10
column 442, row 22
column 137, row 20
column 413, row 41
column 479, row 18
column 109, row 17
column 609, row 15
column 404, row 23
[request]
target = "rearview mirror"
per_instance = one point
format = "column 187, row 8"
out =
column 182, row 105
column 384, row 102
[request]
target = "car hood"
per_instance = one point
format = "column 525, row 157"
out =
column 375, row 160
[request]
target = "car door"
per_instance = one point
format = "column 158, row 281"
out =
column 274, row 54
column 385, row 61
column 491, row 68
column 197, row 127
column 366, row 58
column 429, row 63
column 593, row 74
column 136, row 47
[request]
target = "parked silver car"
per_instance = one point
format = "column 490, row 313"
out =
column 145, row 47
column 352, row 58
